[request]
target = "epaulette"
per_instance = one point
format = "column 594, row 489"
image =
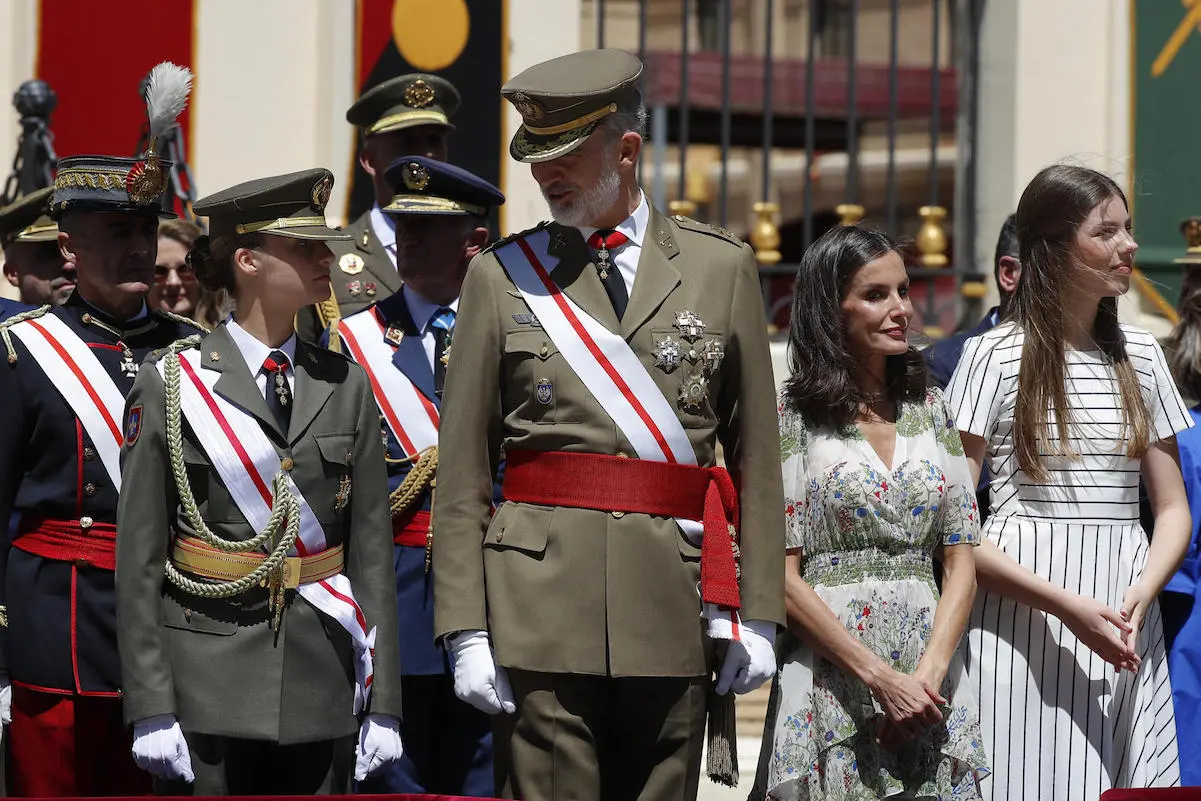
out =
column 175, row 347
column 179, row 318
column 717, row 232
column 9, row 322
column 514, row 237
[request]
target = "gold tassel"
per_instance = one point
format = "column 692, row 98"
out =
column 721, row 741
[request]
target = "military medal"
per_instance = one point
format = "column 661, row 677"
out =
column 544, row 392
column 343, row 496
column 693, row 393
column 128, row 368
column 281, row 387
column 711, row 356
column 350, row 263
column 354, row 288
column 394, row 335
column 667, row 354
column 602, row 261
column 370, row 287
column 689, row 325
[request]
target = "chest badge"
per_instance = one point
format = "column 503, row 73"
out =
column 394, row 335
column 351, row 263
column 711, row 356
column 693, row 392
column 544, row 392
column 667, row 354
column 355, row 288
column 689, row 325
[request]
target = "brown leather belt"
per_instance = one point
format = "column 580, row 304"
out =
column 193, row 556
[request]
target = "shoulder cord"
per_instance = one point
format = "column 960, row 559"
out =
column 285, row 507
column 9, row 322
column 420, row 477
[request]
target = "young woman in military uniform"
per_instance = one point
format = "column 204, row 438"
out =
column 255, row 474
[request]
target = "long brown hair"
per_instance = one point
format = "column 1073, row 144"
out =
column 1184, row 343
column 1052, row 209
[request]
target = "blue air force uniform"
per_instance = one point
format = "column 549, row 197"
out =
column 448, row 743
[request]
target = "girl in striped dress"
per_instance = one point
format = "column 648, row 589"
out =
column 1069, row 408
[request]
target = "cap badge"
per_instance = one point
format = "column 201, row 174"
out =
column 416, row 177
column 145, row 181
column 527, row 107
column 419, row 94
column 321, row 192
column 350, row 263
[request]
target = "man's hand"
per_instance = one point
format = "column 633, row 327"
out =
column 750, row 660
column 160, row 749
column 379, row 745
column 478, row 680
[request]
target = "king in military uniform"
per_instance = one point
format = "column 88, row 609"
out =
column 404, row 343
column 65, row 377
column 404, row 116
column 609, row 353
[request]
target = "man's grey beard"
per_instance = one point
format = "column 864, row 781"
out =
column 589, row 205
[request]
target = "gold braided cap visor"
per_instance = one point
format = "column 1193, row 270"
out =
column 295, row 227
column 409, row 119
column 38, row 232
column 423, row 204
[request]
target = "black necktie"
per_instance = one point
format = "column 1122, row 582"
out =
column 442, row 323
column 279, row 396
column 604, row 242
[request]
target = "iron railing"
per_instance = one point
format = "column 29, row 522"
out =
column 830, row 99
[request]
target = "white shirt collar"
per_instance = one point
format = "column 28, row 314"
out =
column 384, row 227
column 422, row 309
column 255, row 352
column 634, row 226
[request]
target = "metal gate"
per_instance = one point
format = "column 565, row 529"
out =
column 778, row 119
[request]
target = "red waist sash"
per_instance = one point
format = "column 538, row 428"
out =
column 618, row 484
column 411, row 529
column 87, row 543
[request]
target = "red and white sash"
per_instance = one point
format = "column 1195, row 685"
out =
column 83, row 382
column 247, row 463
column 610, row 370
column 412, row 417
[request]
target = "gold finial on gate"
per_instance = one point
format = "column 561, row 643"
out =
column 1190, row 229
column 849, row 213
column 973, row 290
column 931, row 238
column 684, row 207
column 765, row 236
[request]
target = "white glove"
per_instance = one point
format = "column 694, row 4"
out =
column 6, row 700
column 750, row 660
column 160, row 749
column 478, row 680
column 379, row 745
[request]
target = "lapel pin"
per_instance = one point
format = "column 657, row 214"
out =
column 394, row 335
column 214, row 356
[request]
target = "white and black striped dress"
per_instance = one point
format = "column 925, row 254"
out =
column 1059, row 721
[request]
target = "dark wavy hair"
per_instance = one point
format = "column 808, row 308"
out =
column 821, row 385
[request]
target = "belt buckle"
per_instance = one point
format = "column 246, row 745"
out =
column 292, row 565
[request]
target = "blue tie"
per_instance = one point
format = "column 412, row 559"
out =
column 442, row 322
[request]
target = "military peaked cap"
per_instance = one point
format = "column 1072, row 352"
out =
column 290, row 205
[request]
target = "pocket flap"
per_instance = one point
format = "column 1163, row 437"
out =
column 336, row 448
column 535, row 343
column 520, row 526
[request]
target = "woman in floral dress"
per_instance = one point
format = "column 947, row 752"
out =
column 871, row 699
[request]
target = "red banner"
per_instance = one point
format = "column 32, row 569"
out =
column 95, row 55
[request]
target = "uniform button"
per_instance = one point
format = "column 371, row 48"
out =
column 286, row 464
column 500, row 535
column 618, row 515
column 88, row 454
column 622, row 455
column 85, row 523
column 82, row 563
column 89, row 489
column 545, row 350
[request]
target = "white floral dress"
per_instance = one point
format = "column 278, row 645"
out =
column 867, row 534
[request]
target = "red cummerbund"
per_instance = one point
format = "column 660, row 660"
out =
column 90, row 545
column 618, row 484
column 411, row 529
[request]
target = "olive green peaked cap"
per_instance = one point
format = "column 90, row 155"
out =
column 27, row 219
column 405, row 102
column 290, row 205
column 563, row 100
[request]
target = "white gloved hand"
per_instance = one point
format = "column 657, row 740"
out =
column 750, row 660
column 160, row 749
column 478, row 680
column 379, row 745
column 6, row 700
